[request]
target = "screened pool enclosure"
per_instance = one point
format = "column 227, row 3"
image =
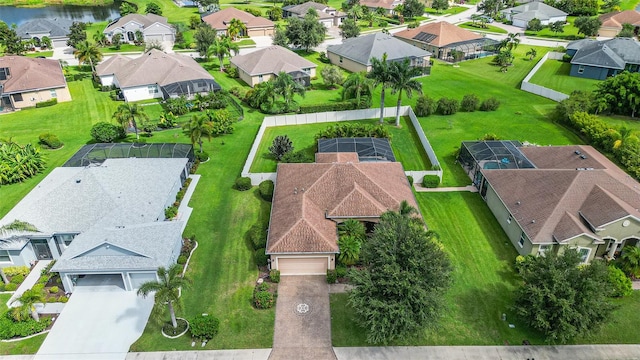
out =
column 98, row 153
column 368, row 149
column 489, row 155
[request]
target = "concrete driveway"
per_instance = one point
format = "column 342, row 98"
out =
column 303, row 320
column 97, row 324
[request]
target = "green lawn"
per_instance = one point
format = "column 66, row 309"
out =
column 450, row 11
column 404, row 142
column 554, row 74
column 40, row 53
column 628, row 4
column 29, row 346
column 477, row 27
column 570, row 32
column 124, row 48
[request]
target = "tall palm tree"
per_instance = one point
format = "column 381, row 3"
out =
column 381, row 75
column 27, row 305
column 287, row 88
column 511, row 42
column 221, row 47
column 266, row 94
column 532, row 53
column 235, row 28
column 356, row 12
column 197, row 128
column 357, row 84
column 100, row 38
column 86, row 52
column 129, row 114
column 403, row 80
column 166, row 289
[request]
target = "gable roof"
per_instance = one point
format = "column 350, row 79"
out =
column 31, row 74
column 153, row 67
column 322, row 10
column 308, row 196
column 220, row 20
column 385, row 4
column 534, row 10
column 271, row 60
column 438, row 34
column 549, row 202
column 363, row 48
column 54, row 27
column 144, row 20
column 612, row 53
column 616, row 19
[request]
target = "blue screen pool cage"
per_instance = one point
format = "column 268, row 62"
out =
column 491, row 155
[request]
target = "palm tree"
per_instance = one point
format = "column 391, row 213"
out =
column 356, row 12
column 100, row 38
column 287, row 88
column 532, row 53
column 406, row 210
column 266, row 94
column 624, row 134
column 86, row 52
column 349, row 249
column 403, row 80
column 235, row 28
column 221, row 47
column 630, row 259
column 352, row 227
column 127, row 115
column 27, row 305
column 197, row 128
column 511, row 42
column 381, row 75
column 357, row 84
column 368, row 16
column 166, row 289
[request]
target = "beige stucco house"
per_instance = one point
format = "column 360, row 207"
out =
column 612, row 22
column 153, row 28
column 256, row 25
column 260, row 66
column 24, row 82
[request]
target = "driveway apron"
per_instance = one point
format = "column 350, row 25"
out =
column 303, row 320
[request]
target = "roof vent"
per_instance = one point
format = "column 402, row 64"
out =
column 583, row 156
column 518, row 202
column 533, row 221
column 78, row 181
column 295, row 190
column 577, row 152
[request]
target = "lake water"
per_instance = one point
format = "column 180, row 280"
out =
column 19, row 15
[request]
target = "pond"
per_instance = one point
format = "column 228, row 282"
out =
column 19, row 15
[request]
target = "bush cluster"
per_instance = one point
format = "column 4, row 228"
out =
column 341, row 271
column 261, row 257
column 49, row 141
column 266, row 190
column 243, row 183
column 12, row 329
column 354, row 130
column 202, row 156
column 490, row 104
column 431, row 181
column 274, row 275
column 426, row 106
column 16, row 270
column 10, row 287
column 332, row 277
column 171, row 212
column 54, row 289
column 182, row 260
column 47, row 103
column 296, row 157
column 447, row 106
column 470, row 103
column 104, row 132
column 620, row 283
column 204, row 327
column 258, row 236
column 17, row 279
column 19, row 163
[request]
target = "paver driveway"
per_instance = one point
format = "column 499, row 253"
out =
column 303, row 320
column 97, row 323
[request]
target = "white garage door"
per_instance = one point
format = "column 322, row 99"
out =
column 139, row 278
column 154, row 37
column 303, row 266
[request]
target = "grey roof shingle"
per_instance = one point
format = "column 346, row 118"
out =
column 144, row 20
column 54, row 27
column 363, row 48
column 271, row 60
column 612, row 53
column 534, row 10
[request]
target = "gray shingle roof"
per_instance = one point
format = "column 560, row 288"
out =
column 534, row 10
column 144, row 20
column 54, row 27
column 612, row 53
column 363, row 48
column 322, row 10
column 271, row 60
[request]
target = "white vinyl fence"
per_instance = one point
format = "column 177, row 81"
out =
column 541, row 90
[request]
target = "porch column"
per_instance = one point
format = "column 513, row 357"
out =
column 612, row 250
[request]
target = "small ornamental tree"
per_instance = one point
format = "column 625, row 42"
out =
column 470, row 103
column 557, row 27
column 204, row 327
column 534, row 25
column 331, row 76
column 425, row 106
column 105, row 132
column 153, row 8
column 281, row 146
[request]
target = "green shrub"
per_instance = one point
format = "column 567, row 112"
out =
column 14, row 329
column 447, row 106
column 253, row 11
column 431, row 181
column 354, row 130
column 10, row 287
column 266, row 190
column 16, row 270
column 104, row 132
column 50, row 141
column 490, row 104
column 1, row 286
column 182, row 260
column 232, row 72
column 63, row 299
column 243, row 184
column 620, row 283
column 425, row 106
column 47, row 103
column 19, row 163
column 170, row 212
column 410, row 180
column 331, row 276
column 204, row 327
column 262, row 287
column 261, row 257
column 280, row 146
column 258, row 236
column 202, row 156
column 341, row 271
column 54, row 289
column 274, row 275
column 17, row 279
column 296, row 157
column 52, row 299
column 263, row 300
column 469, row 103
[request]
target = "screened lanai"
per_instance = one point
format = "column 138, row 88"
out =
column 189, row 88
column 368, row 149
column 491, row 155
column 470, row 49
column 98, row 153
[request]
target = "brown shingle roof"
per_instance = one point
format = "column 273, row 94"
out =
column 145, row 20
column 271, row 60
column 220, row 20
column 444, row 32
column 31, row 74
column 308, row 196
column 337, row 157
column 385, row 4
column 616, row 19
column 540, row 198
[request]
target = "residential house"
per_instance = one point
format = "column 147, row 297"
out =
column 613, row 21
column 57, row 30
column 153, row 28
column 104, row 221
column 448, row 42
column 262, row 65
column 310, row 200
column 256, row 25
column 355, row 54
column 156, row 75
column 521, row 15
column 387, row 5
column 595, row 59
column 24, row 82
column 327, row 15
column 550, row 198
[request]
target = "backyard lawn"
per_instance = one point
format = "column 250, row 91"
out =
column 453, row 10
column 554, row 74
column 570, row 32
column 28, row 346
column 405, row 144
column 477, row 27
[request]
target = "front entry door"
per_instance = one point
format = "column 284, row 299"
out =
column 41, row 249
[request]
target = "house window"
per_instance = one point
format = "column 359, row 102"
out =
column 152, row 89
column 4, row 256
column 580, row 69
column 307, row 70
column 260, row 78
column 53, row 94
column 17, row 97
column 521, row 241
column 542, row 250
column 584, row 254
column 4, row 73
column 509, row 219
column 340, row 59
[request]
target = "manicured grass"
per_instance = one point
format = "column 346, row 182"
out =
column 554, row 74
column 29, row 346
column 404, row 142
column 570, row 32
column 40, row 53
column 246, row 42
column 123, row 49
column 450, row 11
column 477, row 27
column 628, row 4
column 483, row 279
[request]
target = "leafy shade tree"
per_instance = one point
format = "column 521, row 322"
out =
column 275, row 13
column 587, row 25
column 381, row 75
column 349, row 29
column 331, row 76
column 287, row 87
column 199, row 127
column 560, row 298
column 204, row 36
column 280, row 37
column 356, row 86
column 27, row 306
column 557, row 27
column 621, row 93
column 153, row 8
column 628, row 31
column 77, row 33
column 401, row 289
column 222, row 47
column 534, row 25
column 532, row 53
column 236, row 28
column 127, row 8
column 10, row 40
column 87, row 53
column 166, row 289
column 307, row 32
column 128, row 116
column 413, row 8
column 281, row 146
column 403, row 80
column 490, row 8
